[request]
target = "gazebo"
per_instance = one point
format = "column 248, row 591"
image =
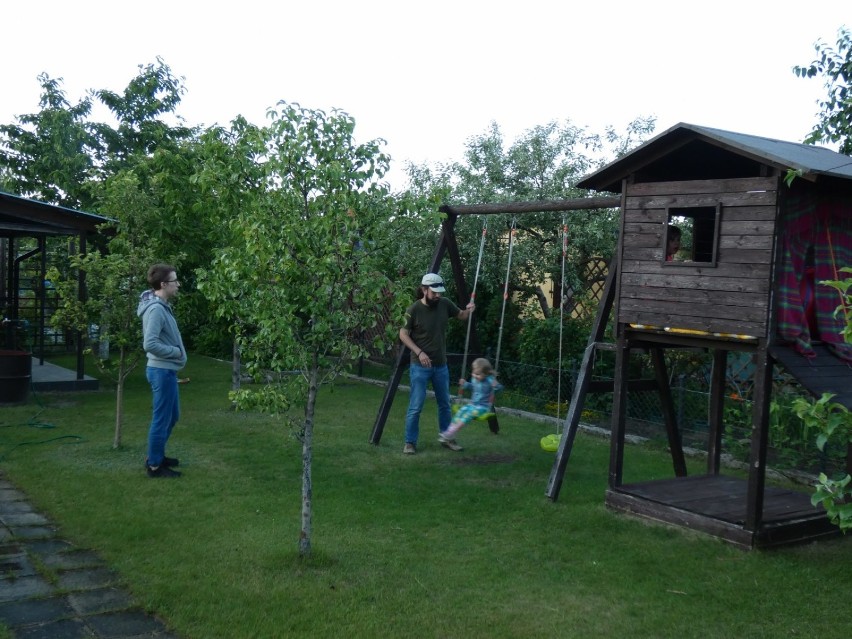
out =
column 26, row 218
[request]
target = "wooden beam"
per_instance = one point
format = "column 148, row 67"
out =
column 672, row 430
column 577, row 204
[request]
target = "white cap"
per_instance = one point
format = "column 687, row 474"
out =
column 433, row 281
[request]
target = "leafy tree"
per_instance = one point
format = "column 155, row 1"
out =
column 154, row 94
column 835, row 115
column 49, row 155
column 302, row 278
column 544, row 163
column 114, row 278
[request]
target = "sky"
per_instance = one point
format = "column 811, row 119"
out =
column 427, row 76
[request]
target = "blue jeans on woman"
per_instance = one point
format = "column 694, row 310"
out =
column 166, row 412
column 420, row 376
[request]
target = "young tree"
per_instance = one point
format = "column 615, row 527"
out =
column 834, row 120
column 302, row 278
column 115, row 277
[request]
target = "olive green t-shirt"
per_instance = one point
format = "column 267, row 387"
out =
column 427, row 326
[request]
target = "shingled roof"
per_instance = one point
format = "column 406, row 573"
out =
column 811, row 161
column 22, row 216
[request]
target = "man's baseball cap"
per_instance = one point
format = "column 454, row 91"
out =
column 433, row 281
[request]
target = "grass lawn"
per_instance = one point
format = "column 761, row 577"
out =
column 440, row 544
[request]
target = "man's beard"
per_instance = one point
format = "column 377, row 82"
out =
column 433, row 302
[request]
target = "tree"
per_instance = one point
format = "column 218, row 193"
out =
column 544, row 163
column 49, row 155
column 302, row 277
column 834, row 119
column 115, row 277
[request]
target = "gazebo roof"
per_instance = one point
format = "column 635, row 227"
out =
column 20, row 216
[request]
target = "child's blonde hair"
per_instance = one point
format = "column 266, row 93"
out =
column 482, row 365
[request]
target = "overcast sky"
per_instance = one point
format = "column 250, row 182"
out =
column 426, row 76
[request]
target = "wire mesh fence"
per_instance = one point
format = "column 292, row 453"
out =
column 547, row 391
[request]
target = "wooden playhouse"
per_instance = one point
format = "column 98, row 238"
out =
column 759, row 246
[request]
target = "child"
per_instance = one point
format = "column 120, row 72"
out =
column 484, row 385
column 673, row 245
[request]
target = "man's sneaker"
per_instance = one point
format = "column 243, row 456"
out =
column 171, row 462
column 409, row 449
column 162, row 471
column 449, row 443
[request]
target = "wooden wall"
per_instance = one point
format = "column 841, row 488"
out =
column 732, row 297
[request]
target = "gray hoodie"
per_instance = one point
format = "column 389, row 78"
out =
column 160, row 334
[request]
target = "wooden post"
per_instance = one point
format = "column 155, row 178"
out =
column 619, row 412
column 759, row 438
column 716, row 411
column 672, row 430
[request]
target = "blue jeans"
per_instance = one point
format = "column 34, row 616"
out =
column 166, row 411
column 420, row 376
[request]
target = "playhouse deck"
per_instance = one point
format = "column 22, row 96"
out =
column 716, row 505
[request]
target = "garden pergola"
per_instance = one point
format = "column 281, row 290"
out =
column 21, row 218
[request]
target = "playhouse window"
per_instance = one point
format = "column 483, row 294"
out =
column 699, row 228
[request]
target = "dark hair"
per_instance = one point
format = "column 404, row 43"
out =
column 674, row 231
column 159, row 273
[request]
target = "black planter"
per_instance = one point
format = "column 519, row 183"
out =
column 16, row 371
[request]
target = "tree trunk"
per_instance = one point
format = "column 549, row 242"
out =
column 542, row 301
column 236, row 367
column 307, row 457
column 119, row 397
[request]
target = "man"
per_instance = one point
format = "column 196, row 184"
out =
column 166, row 356
column 425, row 334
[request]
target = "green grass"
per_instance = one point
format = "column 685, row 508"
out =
column 437, row 545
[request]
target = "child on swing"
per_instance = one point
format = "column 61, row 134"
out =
column 483, row 385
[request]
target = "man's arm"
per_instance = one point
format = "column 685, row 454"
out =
column 464, row 314
column 421, row 355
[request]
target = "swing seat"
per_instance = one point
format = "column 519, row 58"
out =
column 482, row 418
column 550, row 443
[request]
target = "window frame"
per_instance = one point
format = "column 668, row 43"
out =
column 702, row 211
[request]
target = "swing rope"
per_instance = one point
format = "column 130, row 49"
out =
column 505, row 297
column 473, row 298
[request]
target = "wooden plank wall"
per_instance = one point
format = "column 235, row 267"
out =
column 733, row 297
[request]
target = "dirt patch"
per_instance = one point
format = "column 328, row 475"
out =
column 481, row 460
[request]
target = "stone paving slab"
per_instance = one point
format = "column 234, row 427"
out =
column 63, row 629
column 86, row 579
column 30, row 611
column 71, row 560
column 16, row 566
column 90, row 602
column 24, row 588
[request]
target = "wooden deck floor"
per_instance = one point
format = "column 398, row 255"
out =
column 716, row 505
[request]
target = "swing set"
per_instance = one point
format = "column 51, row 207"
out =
column 447, row 246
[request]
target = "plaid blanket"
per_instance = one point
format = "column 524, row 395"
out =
column 816, row 242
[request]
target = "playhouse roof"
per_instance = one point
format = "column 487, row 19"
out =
column 811, row 161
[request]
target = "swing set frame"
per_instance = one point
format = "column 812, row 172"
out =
column 447, row 246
